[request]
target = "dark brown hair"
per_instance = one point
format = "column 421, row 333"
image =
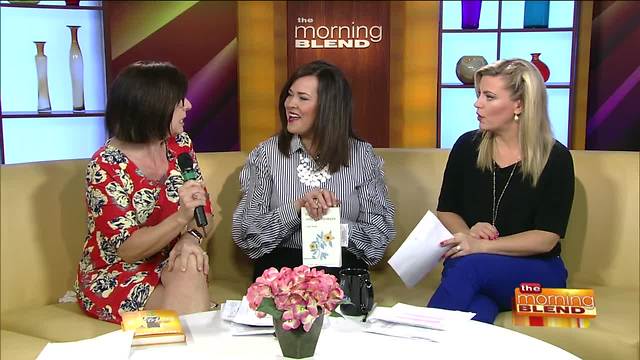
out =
column 332, row 126
column 142, row 100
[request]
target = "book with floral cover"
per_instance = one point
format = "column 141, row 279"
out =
column 153, row 327
column 321, row 239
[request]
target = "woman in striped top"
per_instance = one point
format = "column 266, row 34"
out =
column 315, row 162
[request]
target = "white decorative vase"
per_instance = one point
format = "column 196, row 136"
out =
column 467, row 67
column 76, row 67
column 44, row 104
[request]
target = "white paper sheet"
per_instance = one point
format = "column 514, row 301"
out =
column 406, row 331
column 229, row 309
column 246, row 316
column 421, row 251
column 432, row 318
column 410, row 321
column 246, row 330
column 117, row 342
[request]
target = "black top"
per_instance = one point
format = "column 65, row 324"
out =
column 467, row 191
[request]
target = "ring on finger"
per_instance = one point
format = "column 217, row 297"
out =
column 458, row 248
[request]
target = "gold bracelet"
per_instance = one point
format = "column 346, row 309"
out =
column 196, row 234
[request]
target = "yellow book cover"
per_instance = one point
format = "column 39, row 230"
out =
column 153, row 327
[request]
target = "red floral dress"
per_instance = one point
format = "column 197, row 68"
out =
column 120, row 200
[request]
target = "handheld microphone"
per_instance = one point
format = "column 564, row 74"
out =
column 188, row 173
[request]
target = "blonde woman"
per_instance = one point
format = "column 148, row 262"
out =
column 506, row 195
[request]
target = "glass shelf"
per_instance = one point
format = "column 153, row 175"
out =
column 51, row 114
column 505, row 30
column 501, row 35
column 471, row 86
column 457, row 86
column 469, row 30
column 27, row 135
column 44, row 6
column 58, row 138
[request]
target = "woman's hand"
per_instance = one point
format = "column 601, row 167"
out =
column 179, row 255
column 483, row 230
column 191, row 195
column 317, row 202
column 460, row 245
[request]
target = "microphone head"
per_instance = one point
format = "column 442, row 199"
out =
column 185, row 162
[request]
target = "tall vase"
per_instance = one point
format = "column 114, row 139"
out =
column 297, row 343
column 76, row 68
column 471, row 13
column 542, row 67
column 44, row 104
column 536, row 14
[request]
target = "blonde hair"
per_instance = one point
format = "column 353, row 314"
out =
column 525, row 83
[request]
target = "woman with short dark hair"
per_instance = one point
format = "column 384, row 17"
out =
column 142, row 250
column 315, row 162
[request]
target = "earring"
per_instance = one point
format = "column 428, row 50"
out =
column 516, row 117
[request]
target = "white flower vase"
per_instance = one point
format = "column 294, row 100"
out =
column 76, row 67
column 44, row 104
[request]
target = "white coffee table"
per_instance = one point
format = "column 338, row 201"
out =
column 209, row 337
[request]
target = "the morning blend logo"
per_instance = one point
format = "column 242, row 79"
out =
column 307, row 35
column 536, row 306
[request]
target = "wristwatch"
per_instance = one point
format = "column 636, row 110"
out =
column 196, row 234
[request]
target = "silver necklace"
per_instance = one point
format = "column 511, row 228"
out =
column 494, row 212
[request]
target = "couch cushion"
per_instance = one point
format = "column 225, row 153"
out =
column 222, row 290
column 19, row 346
column 221, row 172
column 59, row 322
column 601, row 245
column 613, row 334
column 43, row 225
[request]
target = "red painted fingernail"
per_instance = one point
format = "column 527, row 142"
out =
column 441, row 243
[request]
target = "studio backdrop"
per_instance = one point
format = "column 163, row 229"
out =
column 200, row 38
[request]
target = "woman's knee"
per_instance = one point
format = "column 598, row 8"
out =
column 190, row 276
column 467, row 263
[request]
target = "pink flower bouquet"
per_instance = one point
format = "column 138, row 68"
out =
column 297, row 296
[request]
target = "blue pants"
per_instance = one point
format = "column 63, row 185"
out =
column 485, row 283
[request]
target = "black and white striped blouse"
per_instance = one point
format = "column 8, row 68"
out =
column 266, row 218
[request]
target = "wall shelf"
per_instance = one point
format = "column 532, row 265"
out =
column 51, row 114
column 470, row 86
column 27, row 135
column 527, row 30
column 44, row 6
column 501, row 36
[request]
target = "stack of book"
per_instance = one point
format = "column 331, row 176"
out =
column 153, row 327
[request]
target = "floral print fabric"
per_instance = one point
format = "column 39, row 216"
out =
column 120, row 200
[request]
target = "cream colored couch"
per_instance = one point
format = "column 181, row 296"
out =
column 43, row 227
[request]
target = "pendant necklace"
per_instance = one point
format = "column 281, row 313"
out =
column 496, row 206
